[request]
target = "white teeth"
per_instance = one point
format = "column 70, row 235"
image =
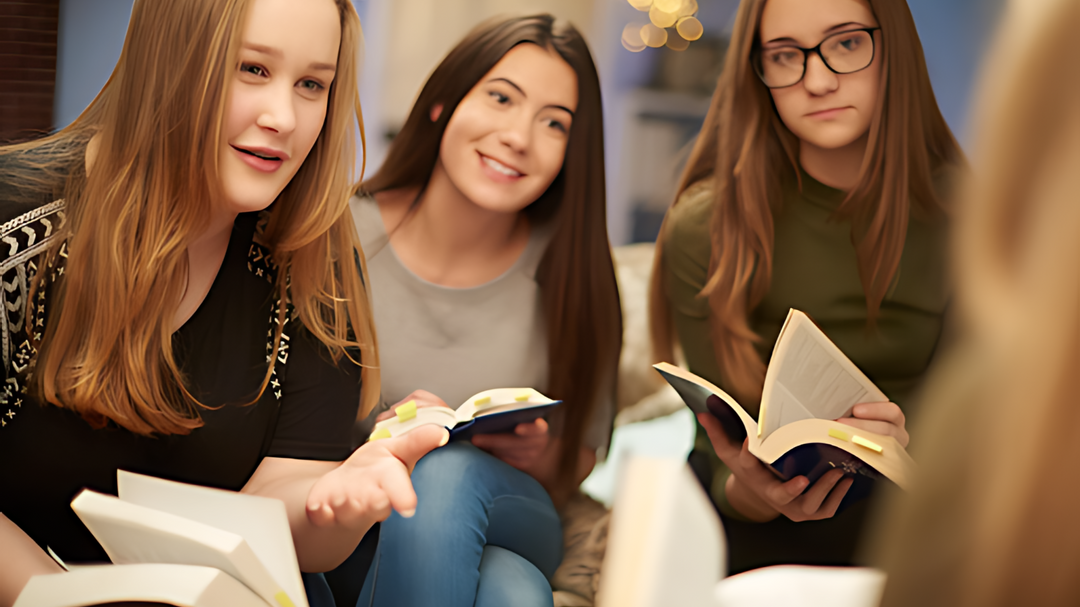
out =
column 500, row 167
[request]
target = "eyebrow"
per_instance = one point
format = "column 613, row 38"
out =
column 827, row 32
column 518, row 88
column 277, row 54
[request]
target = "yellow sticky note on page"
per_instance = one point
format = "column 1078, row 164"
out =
column 868, row 444
column 524, row 396
column 833, row 432
column 480, row 402
column 283, row 599
column 406, row 412
column 379, row 434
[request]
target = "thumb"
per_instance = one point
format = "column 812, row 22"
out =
column 716, row 434
column 416, row 444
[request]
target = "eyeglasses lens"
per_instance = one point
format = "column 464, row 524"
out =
column 845, row 52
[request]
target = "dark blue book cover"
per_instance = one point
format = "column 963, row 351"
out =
column 503, row 421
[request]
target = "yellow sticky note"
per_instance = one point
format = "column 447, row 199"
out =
column 380, row 433
column 283, row 599
column 406, row 412
column 480, row 402
column 524, row 396
column 862, row 442
column 838, row 434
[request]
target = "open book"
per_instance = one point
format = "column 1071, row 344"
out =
column 489, row 412
column 666, row 547
column 809, row 384
column 179, row 545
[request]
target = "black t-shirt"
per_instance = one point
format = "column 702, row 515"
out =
column 48, row 454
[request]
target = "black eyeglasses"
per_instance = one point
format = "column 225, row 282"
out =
column 843, row 53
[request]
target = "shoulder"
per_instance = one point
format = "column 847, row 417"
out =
column 368, row 222
column 686, row 241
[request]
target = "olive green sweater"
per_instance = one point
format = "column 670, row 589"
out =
column 814, row 270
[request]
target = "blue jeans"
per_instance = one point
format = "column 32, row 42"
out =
column 484, row 534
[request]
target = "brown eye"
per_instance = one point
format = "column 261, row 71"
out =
column 252, row 69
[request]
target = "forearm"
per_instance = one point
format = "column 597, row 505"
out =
column 20, row 559
column 317, row 548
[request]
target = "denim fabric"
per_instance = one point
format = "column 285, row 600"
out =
column 484, row 534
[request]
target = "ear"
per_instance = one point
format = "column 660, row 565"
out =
column 436, row 111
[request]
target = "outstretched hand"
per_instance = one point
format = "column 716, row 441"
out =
column 374, row 480
column 757, row 493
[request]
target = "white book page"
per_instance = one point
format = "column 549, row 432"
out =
column 261, row 521
column 131, row 534
column 802, row 586
column 500, row 399
column 809, row 377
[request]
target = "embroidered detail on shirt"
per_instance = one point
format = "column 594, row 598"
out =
column 282, row 346
column 24, row 238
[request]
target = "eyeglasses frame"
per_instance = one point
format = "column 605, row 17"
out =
column 817, row 49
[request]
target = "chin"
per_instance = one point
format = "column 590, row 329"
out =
column 831, row 140
column 247, row 203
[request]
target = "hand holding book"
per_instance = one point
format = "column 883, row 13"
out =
column 758, row 494
column 820, row 420
column 755, row 491
column 520, row 447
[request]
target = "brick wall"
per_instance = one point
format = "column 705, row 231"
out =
column 27, row 67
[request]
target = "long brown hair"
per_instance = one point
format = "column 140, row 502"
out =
column 107, row 352
column 993, row 521
column 749, row 154
column 576, row 275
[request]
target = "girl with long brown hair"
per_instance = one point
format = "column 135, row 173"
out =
column 490, row 266
column 817, row 183
column 181, row 293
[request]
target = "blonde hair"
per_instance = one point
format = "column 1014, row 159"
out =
column 749, row 154
column 994, row 521
column 107, row 352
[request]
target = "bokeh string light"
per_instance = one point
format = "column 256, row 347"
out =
column 672, row 23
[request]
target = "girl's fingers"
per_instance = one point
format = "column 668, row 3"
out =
column 828, row 509
column 885, row 412
column 813, row 499
column 720, row 442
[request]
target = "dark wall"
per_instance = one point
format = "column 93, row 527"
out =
column 27, row 66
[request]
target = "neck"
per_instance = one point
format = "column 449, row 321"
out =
column 449, row 226
column 836, row 167
column 219, row 229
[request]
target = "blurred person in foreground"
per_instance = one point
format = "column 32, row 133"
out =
column 993, row 520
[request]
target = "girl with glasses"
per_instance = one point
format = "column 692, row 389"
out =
column 818, row 183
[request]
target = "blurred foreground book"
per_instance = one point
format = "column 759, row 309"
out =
column 667, row 548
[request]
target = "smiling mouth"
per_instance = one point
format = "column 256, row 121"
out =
column 499, row 167
column 256, row 154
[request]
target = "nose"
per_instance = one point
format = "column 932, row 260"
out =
column 819, row 79
column 278, row 112
column 516, row 132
